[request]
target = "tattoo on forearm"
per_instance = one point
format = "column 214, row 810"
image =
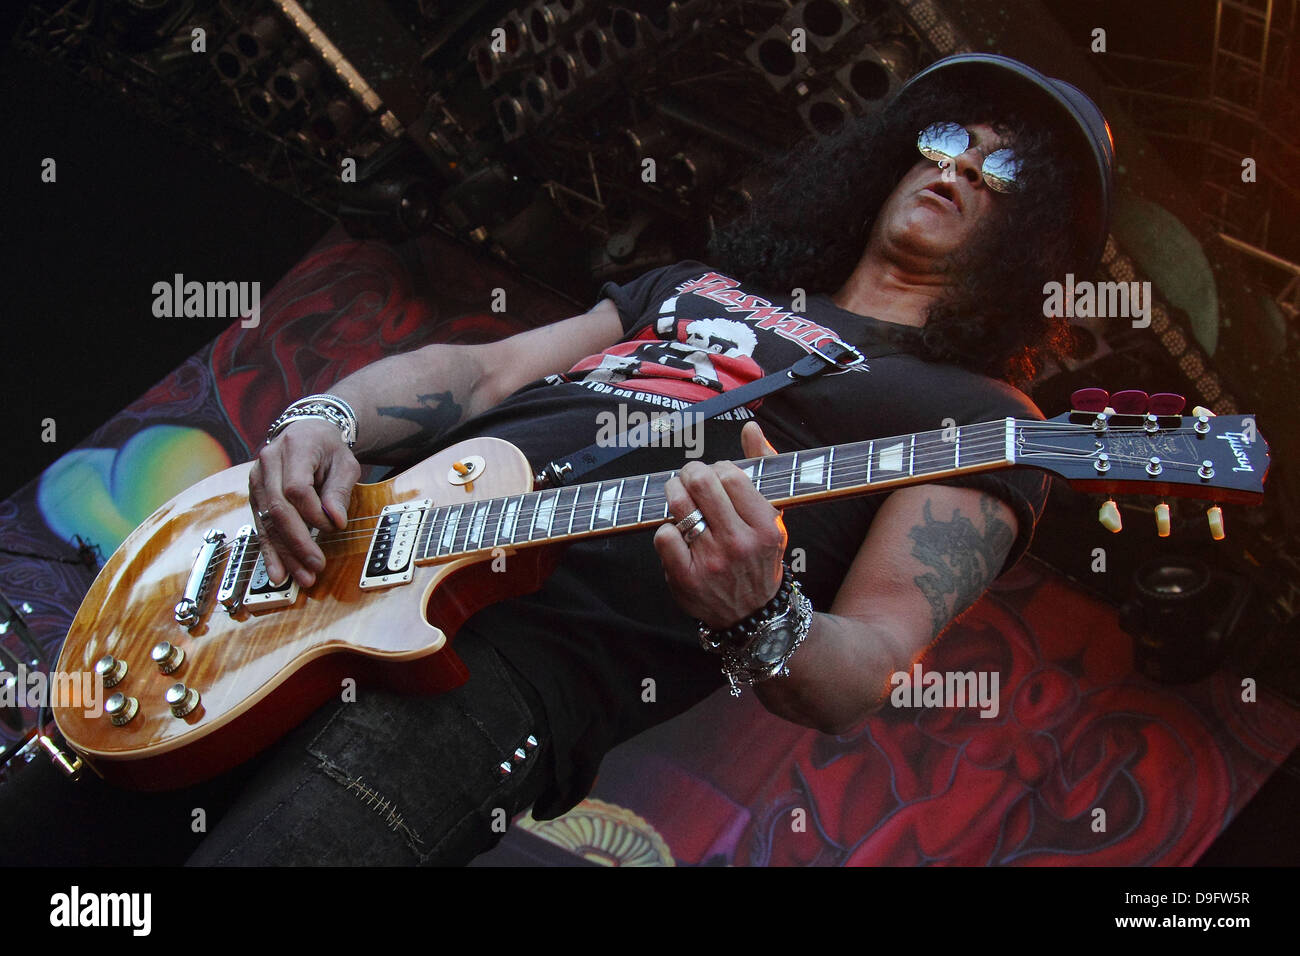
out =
column 963, row 559
column 436, row 413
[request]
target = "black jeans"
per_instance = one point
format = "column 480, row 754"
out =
column 389, row 779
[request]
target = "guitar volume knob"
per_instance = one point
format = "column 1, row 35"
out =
column 167, row 656
column 110, row 669
column 181, row 699
column 120, row 708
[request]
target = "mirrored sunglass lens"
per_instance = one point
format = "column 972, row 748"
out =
column 1001, row 167
column 943, row 141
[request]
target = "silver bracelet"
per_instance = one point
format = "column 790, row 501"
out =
column 330, row 408
column 742, row 666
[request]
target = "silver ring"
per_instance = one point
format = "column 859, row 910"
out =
column 263, row 515
column 690, row 521
column 695, row 532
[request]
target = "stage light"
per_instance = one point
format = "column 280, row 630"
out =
column 564, row 72
column 512, row 117
column 516, row 35
column 826, row 22
column 228, row 64
column 292, row 83
column 825, row 113
column 331, row 123
column 262, row 105
column 632, row 32
column 878, row 73
column 537, row 96
column 487, row 62
column 547, row 23
column 595, row 51
column 773, row 53
column 259, row 39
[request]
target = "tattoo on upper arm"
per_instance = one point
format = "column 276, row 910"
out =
column 963, row 560
column 436, row 413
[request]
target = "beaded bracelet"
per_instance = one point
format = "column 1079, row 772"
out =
column 739, row 634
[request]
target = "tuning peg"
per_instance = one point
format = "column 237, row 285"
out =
column 1162, row 520
column 1109, row 516
column 1215, row 515
column 1166, row 403
column 1089, row 399
column 1131, row 401
column 1200, row 410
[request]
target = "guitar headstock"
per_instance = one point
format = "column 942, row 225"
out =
column 1132, row 443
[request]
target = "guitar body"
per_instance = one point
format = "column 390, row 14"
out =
column 261, row 672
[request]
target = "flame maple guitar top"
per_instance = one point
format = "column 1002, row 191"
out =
column 258, row 672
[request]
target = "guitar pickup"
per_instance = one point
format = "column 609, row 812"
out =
column 391, row 558
column 262, row 595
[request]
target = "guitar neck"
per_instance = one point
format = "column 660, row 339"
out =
column 626, row 504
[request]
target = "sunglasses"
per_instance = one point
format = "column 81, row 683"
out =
column 944, row 142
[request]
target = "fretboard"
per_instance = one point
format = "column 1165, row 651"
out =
column 625, row 504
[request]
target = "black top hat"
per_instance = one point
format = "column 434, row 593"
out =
column 1082, row 122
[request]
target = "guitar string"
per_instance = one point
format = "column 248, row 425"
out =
column 657, row 500
column 923, row 460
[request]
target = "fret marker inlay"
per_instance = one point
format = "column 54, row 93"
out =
column 605, row 508
column 543, row 520
column 891, row 458
column 810, row 472
column 508, row 520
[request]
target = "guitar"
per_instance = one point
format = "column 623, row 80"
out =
column 205, row 662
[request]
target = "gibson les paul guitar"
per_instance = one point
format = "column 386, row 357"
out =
column 205, row 661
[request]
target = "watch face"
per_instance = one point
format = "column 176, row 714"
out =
column 772, row 643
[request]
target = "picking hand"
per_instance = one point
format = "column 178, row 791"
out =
column 302, row 479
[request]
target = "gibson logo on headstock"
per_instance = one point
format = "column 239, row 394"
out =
column 1235, row 441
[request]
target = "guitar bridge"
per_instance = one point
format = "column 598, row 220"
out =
column 190, row 606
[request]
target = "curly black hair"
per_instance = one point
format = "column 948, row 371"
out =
column 809, row 228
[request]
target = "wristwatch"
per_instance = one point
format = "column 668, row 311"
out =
column 760, row 647
column 778, row 636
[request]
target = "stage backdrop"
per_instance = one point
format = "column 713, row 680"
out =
column 1077, row 730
